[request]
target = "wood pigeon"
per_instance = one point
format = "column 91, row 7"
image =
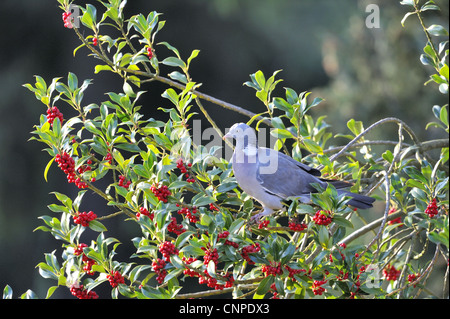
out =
column 271, row 177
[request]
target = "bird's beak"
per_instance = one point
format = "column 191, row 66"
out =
column 228, row 135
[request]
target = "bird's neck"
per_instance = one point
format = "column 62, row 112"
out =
column 247, row 142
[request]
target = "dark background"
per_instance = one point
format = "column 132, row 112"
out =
column 322, row 46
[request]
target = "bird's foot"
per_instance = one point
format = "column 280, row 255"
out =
column 255, row 218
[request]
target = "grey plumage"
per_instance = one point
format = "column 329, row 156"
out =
column 270, row 176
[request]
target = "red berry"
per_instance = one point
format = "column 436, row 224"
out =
column 167, row 249
column 161, row 192
column 67, row 20
column 94, row 41
column 52, row 113
column 323, row 217
column 79, row 250
column 391, row 273
column 144, row 211
column 81, row 293
column 213, row 207
column 397, row 220
column 249, row 250
column 187, row 271
column 123, row 182
column 182, row 167
column 316, row 287
column 108, row 158
column 413, row 277
column 223, row 234
column 175, row 228
column 67, row 165
column 263, row 224
column 115, row 278
column 272, row 270
column 297, row 227
column 190, row 213
column 158, row 267
column 210, row 255
column 84, row 218
column 149, row 52
column 293, row 272
column 432, row 208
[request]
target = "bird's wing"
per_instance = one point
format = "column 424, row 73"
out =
column 283, row 176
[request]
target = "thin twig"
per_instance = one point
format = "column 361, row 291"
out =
column 371, row 127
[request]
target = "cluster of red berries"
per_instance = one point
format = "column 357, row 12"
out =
column 250, row 249
column 79, row 250
column 167, row 249
column 323, row 217
column 67, row 165
column 317, row 287
column 85, row 168
column 115, row 278
column 161, row 192
column 149, row 53
column 432, row 208
column 94, row 42
column 52, row 114
column 297, row 227
column 144, row 211
column 187, row 271
column 210, row 255
column 263, row 224
column 394, row 221
column 391, row 273
column 342, row 275
column 158, row 267
column 88, row 262
column 67, row 20
column 413, row 277
column 123, row 182
column 293, row 272
column 223, row 234
column 206, row 278
column 175, row 228
column 273, row 287
column 212, row 282
column 190, row 213
column 182, row 167
column 213, row 207
column 108, row 158
column 272, row 270
column 81, row 293
column 343, row 245
column 80, row 184
column 84, row 218
column 227, row 242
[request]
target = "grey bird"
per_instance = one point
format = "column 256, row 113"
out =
column 270, row 176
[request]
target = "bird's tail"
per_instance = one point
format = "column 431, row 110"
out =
column 358, row 201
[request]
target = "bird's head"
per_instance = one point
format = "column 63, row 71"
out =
column 244, row 135
column 238, row 130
